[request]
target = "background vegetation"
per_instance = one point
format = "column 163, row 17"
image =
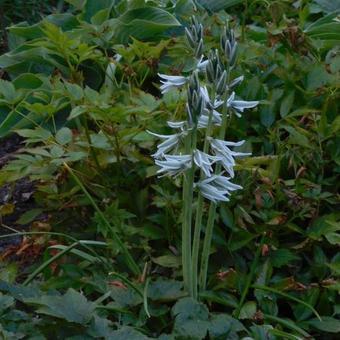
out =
column 82, row 113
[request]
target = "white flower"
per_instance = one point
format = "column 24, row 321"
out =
column 204, row 161
column 236, row 81
column 225, row 155
column 178, row 125
column 217, row 103
column 202, row 64
column 169, row 143
column 240, row 105
column 173, row 165
column 203, row 119
column 217, row 188
column 169, row 82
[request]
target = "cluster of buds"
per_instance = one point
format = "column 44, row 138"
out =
column 229, row 46
column 195, row 104
column 194, row 35
column 210, row 100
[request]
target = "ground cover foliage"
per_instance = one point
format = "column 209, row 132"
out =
column 100, row 253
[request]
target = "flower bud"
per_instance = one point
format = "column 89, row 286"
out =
column 199, row 49
column 194, row 82
column 229, row 45
column 222, row 83
column 194, row 35
column 214, row 67
column 190, row 38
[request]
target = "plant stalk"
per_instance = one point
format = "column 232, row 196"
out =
column 211, row 222
column 188, row 186
column 198, row 218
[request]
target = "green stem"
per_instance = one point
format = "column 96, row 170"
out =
column 198, row 219
column 211, row 222
column 187, row 213
column 130, row 262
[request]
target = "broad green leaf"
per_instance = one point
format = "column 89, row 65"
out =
column 262, row 332
column 7, row 90
column 27, row 81
column 333, row 238
column 56, row 152
column 100, row 141
column 190, row 308
column 100, row 327
column 143, row 23
column 248, row 310
column 74, row 91
column 218, row 5
column 318, row 77
column 191, row 320
column 64, row 136
column 73, row 306
column 194, row 329
column 329, row 5
column 65, row 21
column 128, row 333
column 165, row 290
column 330, row 18
column 26, row 59
column 37, row 134
column 220, row 326
column 169, row 261
column 328, row 324
column 92, row 7
column 77, row 111
column 287, row 104
column 20, row 292
column 6, row 301
column 125, row 297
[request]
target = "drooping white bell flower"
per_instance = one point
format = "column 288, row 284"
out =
column 240, row 105
column 169, row 82
column 170, row 141
column 217, row 188
column 225, row 154
column 203, row 119
column 173, row 165
column 204, row 161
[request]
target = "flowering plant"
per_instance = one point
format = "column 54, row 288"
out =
column 208, row 170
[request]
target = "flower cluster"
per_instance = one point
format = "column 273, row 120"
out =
column 210, row 101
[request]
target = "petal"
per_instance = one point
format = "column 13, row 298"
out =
column 177, row 125
column 236, row 81
column 176, row 80
column 241, row 105
column 160, row 136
